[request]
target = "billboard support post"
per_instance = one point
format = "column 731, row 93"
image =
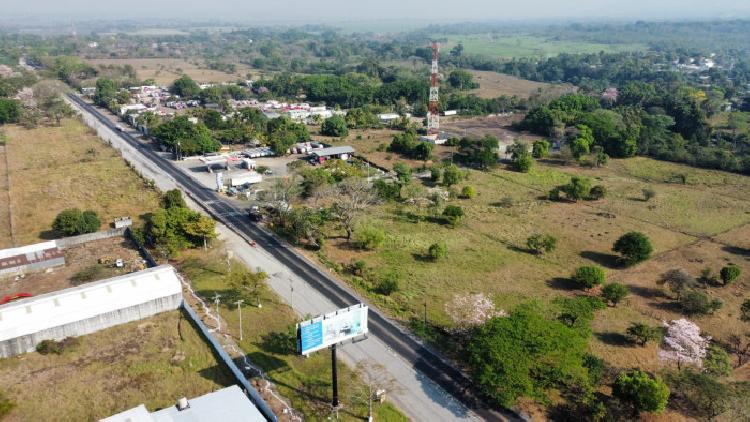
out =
column 335, row 402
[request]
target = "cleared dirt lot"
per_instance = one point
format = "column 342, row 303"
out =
column 82, row 264
column 494, row 84
column 154, row 361
column 166, row 70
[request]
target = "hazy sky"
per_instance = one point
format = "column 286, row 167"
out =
column 361, row 10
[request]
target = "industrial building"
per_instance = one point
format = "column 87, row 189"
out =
column 36, row 257
column 87, row 308
column 226, row 405
column 323, row 154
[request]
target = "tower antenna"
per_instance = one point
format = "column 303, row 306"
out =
column 433, row 119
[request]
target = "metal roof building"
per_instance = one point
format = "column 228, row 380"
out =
column 333, row 151
column 226, row 405
column 30, row 258
column 87, row 308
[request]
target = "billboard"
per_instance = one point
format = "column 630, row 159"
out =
column 336, row 327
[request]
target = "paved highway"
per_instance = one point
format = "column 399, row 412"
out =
column 422, row 358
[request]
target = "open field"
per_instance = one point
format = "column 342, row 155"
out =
column 54, row 168
column 494, row 84
column 508, row 46
column 477, row 127
column 704, row 222
column 81, row 266
column 165, row 70
column 154, row 361
column 5, row 238
column 270, row 344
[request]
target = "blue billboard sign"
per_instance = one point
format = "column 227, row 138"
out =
column 329, row 329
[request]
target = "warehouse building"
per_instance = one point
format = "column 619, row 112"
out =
column 87, row 308
column 323, row 154
column 36, row 257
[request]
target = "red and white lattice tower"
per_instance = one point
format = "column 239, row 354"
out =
column 433, row 119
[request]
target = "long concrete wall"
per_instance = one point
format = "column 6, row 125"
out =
column 28, row 343
column 89, row 237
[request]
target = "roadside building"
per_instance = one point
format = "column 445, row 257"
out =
column 226, row 405
column 323, row 154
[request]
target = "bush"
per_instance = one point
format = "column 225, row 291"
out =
column 640, row 334
column 648, row 194
column 589, row 276
column 47, row 347
column 634, row 248
column 451, row 175
column 540, row 149
column 597, row 192
column 641, row 392
column 539, row 243
column 73, row 221
column 468, row 192
column 521, row 159
column 6, row 405
column 453, row 214
column 745, row 310
column 697, row 303
column 437, row 251
column 368, row 237
column 578, row 188
column 729, row 273
column 387, row 285
column 403, row 172
column 615, row 292
column 717, row 362
column 435, row 174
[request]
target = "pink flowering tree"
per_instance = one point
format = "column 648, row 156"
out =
column 470, row 310
column 683, row 344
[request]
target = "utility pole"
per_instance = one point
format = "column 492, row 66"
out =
column 218, row 316
column 425, row 315
column 239, row 310
column 335, row 402
column 291, row 293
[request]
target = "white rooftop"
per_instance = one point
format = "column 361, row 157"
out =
column 22, row 250
column 54, row 309
column 226, row 405
column 325, row 152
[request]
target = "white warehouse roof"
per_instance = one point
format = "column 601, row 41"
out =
column 327, row 152
column 28, row 316
column 22, row 250
column 226, row 405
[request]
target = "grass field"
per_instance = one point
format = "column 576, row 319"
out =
column 165, row 70
column 494, row 84
column 54, row 168
column 154, row 361
column 704, row 222
column 268, row 342
column 508, row 46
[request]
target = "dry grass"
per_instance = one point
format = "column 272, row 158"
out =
column 5, row 238
column 165, row 70
column 62, row 167
column 153, row 361
column 494, row 84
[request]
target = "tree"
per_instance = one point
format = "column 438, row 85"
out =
column 247, row 282
column 185, row 87
column 471, row 310
column 717, row 362
column 192, row 138
column 729, row 273
column 521, row 159
column 437, row 251
column 453, row 215
column 451, row 175
column 334, row 126
column 614, row 293
column 578, row 188
column 106, row 92
column 200, row 227
column 375, row 382
column 641, row 334
column 539, row 243
column 73, row 221
column 683, row 344
column 540, row 149
column 634, row 247
column 173, row 198
column 461, row 80
column 354, row 196
column 706, row 395
column 10, row 111
column 698, row 303
column 589, row 276
column 468, row 192
column 403, row 172
column 640, row 392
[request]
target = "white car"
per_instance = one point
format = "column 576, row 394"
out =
column 119, row 263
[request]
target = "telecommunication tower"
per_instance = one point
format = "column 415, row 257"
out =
column 433, row 119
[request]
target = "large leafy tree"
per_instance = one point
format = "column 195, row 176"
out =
column 193, row 138
column 10, row 111
column 185, row 87
column 634, row 247
column 73, row 221
column 106, row 92
column 641, row 392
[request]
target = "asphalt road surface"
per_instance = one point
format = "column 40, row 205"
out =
column 416, row 367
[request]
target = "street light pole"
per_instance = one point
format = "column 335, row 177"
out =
column 218, row 316
column 239, row 310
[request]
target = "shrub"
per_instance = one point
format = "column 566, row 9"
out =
column 387, row 285
column 717, row 362
column 597, row 192
column 451, row 175
column 697, row 303
column 521, row 158
column 540, row 149
column 6, row 405
column 539, row 243
column 615, row 292
column 578, row 188
column 641, row 392
column 640, row 334
column 403, row 172
column 435, row 174
column 729, row 273
column 73, row 221
column 634, row 248
column 368, row 237
column 745, row 310
column 453, row 214
column 437, row 251
column 677, row 281
column 589, row 276
column 468, row 192
column 648, row 194
column 47, row 347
